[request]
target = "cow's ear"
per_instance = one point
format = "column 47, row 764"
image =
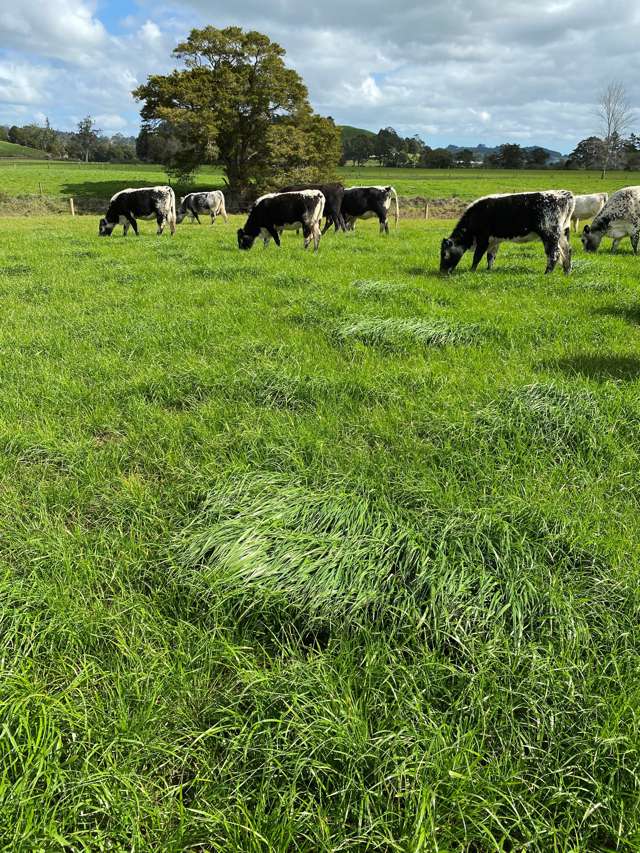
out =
column 587, row 229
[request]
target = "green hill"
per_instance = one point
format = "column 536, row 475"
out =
column 348, row 132
column 9, row 149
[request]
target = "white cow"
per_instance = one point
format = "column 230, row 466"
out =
column 588, row 206
column 620, row 217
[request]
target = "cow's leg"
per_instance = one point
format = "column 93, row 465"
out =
column 273, row 231
column 125, row 229
column 130, row 221
column 194, row 215
column 615, row 244
column 635, row 237
column 552, row 251
column 481, row 247
column 160, row 219
column 384, row 224
column 492, row 251
column 565, row 253
column 576, row 223
column 328, row 223
column 316, row 236
column 213, row 217
column 307, row 233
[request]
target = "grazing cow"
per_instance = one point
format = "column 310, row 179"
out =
column 588, row 206
column 195, row 203
column 275, row 212
column 143, row 203
column 517, row 217
column 333, row 195
column 620, row 217
column 367, row 202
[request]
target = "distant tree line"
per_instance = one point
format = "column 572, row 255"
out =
column 87, row 143
column 390, row 149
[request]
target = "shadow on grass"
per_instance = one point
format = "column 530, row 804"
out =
column 628, row 313
column 599, row 367
column 429, row 272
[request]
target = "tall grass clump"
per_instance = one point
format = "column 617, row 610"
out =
column 555, row 418
column 396, row 333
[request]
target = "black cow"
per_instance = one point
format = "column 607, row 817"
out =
column 211, row 202
column 273, row 213
column 517, row 217
column 333, row 195
column 367, row 202
column 143, row 203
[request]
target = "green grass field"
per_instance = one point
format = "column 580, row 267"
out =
column 10, row 149
column 101, row 181
column 316, row 553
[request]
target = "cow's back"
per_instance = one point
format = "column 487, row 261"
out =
column 518, row 214
column 623, row 205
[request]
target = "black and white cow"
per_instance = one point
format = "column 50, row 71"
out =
column 333, row 195
column 277, row 212
column 128, row 205
column 620, row 217
column 367, row 202
column 211, row 202
column 518, row 218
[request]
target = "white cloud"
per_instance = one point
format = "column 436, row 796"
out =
column 65, row 30
column 111, row 123
column 23, row 84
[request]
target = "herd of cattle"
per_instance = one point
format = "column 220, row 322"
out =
column 516, row 217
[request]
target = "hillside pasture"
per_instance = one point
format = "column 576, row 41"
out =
column 316, row 552
column 10, row 149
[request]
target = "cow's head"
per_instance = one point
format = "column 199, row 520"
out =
column 450, row 254
column 245, row 241
column 590, row 239
column 105, row 228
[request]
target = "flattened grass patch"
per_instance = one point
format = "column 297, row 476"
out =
column 280, row 551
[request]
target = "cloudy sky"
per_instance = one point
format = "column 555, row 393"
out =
column 462, row 71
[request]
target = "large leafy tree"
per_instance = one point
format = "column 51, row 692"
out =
column 235, row 101
column 588, row 154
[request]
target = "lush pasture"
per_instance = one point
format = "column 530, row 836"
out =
column 10, row 149
column 316, row 552
column 100, row 181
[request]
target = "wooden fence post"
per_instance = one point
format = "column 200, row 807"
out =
column 426, row 210
column 73, row 210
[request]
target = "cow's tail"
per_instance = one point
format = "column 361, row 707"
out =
column 571, row 206
column 223, row 208
column 395, row 196
column 172, row 212
column 321, row 203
